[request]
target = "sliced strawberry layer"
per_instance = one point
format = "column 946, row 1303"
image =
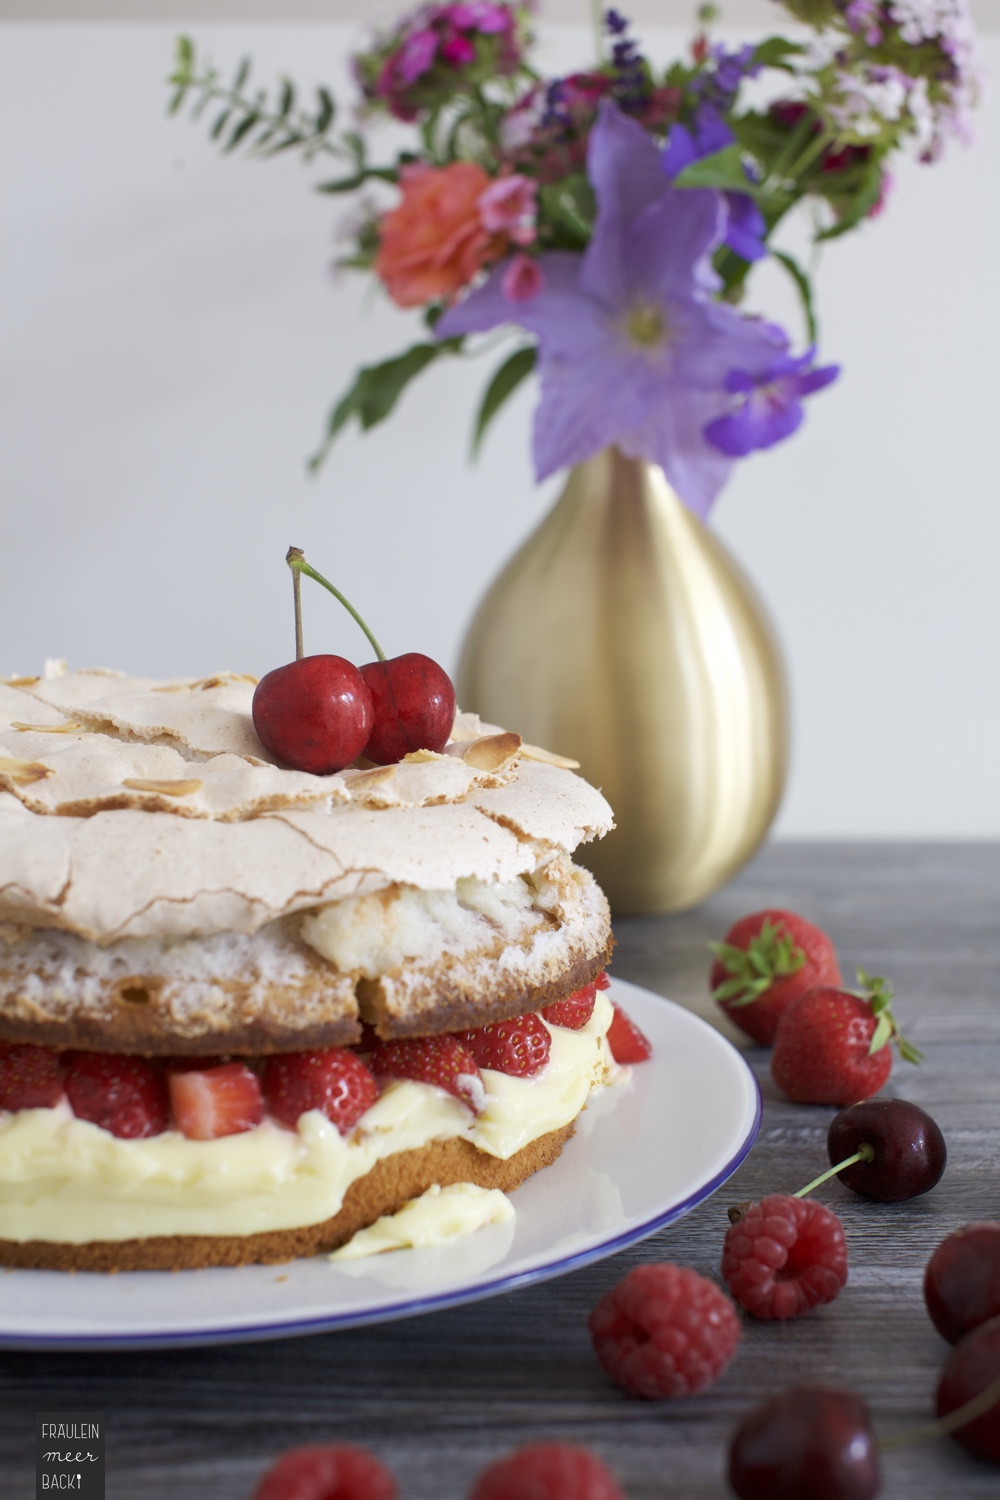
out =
column 330, row 1079
column 442, row 1060
column 520, row 1047
column 212, row 1102
column 602, row 981
column 124, row 1095
column 30, row 1077
column 627, row 1043
column 575, row 1011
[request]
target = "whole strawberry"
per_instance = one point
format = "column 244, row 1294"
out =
column 766, row 961
column 832, row 1045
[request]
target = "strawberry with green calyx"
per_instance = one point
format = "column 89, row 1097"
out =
column 832, row 1045
column 767, row 960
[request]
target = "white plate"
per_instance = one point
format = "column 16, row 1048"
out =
column 643, row 1155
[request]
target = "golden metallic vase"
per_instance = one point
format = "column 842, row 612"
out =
column 624, row 635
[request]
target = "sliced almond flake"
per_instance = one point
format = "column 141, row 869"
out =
column 22, row 772
column 362, row 780
column 165, row 788
column 69, row 728
column 549, row 757
column 19, row 682
column 494, row 752
column 418, row 757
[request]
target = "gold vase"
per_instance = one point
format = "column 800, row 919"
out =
column 624, row 635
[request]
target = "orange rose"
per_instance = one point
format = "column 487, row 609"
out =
column 434, row 242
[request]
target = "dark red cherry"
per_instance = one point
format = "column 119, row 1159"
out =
column 315, row 714
column 813, row 1440
column 414, row 704
column 962, row 1280
column 910, row 1153
column 970, row 1367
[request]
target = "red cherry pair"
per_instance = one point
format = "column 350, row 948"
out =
column 319, row 713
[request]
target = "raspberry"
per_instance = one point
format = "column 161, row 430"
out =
column 30, row 1077
column 784, row 1256
column 333, row 1471
column 520, row 1047
column 664, row 1331
column 546, row 1471
column 573, row 1012
column 124, row 1095
column 329, row 1079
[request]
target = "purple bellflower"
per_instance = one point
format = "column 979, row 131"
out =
column 632, row 348
column 770, row 404
column 746, row 230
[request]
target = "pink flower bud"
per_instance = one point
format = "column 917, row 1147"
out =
column 522, row 279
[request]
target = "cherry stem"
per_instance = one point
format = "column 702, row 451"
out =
column 976, row 1407
column 296, row 560
column 863, row 1153
column 297, row 596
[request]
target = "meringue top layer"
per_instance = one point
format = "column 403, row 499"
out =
column 133, row 808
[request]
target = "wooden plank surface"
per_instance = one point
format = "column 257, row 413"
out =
column 437, row 1397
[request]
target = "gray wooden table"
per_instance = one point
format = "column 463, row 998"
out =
column 438, row 1397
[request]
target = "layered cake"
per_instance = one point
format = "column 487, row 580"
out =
column 245, row 1011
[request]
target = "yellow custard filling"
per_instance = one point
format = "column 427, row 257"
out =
column 68, row 1181
column 438, row 1216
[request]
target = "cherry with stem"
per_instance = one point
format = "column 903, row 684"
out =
column 413, row 700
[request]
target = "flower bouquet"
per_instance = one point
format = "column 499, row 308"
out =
column 610, row 218
column 607, row 224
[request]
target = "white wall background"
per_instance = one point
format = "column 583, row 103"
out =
column 171, row 340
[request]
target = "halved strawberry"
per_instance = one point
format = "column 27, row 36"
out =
column 520, row 1047
column 441, row 1060
column 30, row 1077
column 575, row 1011
column 330, row 1079
column 627, row 1043
column 214, row 1101
column 602, row 981
column 124, row 1095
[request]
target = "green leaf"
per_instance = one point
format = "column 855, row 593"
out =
column 505, row 381
column 376, row 390
column 220, row 124
column 805, row 291
column 881, row 1035
column 242, row 74
column 242, row 129
column 286, row 98
column 774, row 52
column 858, row 207
column 358, row 179
column 327, row 110
column 723, row 170
column 908, row 1052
